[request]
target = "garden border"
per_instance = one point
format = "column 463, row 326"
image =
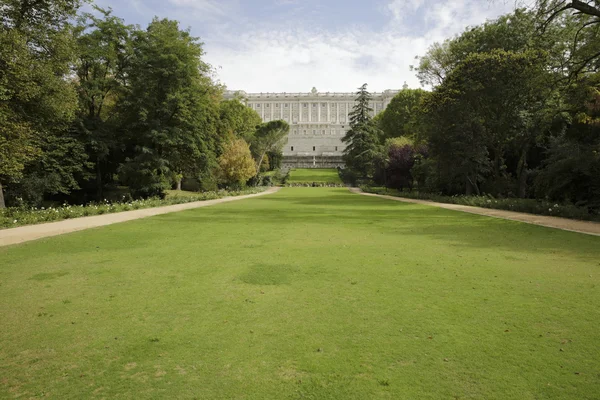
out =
column 565, row 224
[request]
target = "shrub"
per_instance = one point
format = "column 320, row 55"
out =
column 531, row 206
column 18, row 216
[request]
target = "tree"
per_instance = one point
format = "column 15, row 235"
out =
column 514, row 32
column 103, row 50
column 362, row 111
column 362, row 154
column 235, row 119
column 17, row 148
column 363, row 151
column 236, row 163
column 170, row 110
column 400, row 161
column 269, row 136
column 36, row 98
column 480, row 109
column 399, row 117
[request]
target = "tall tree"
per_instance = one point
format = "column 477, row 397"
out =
column 362, row 110
column 36, row 98
column 103, row 50
column 363, row 149
column 237, row 120
column 170, row 109
column 479, row 110
column 400, row 116
column 270, row 136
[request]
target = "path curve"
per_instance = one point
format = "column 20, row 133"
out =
column 32, row 232
column 565, row 224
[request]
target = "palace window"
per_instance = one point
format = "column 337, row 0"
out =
column 277, row 105
column 268, row 105
column 335, row 148
column 305, row 131
column 295, row 131
column 304, row 104
column 292, row 148
column 323, row 131
column 286, row 106
column 314, row 105
column 258, row 106
column 314, row 148
column 333, row 131
column 314, row 131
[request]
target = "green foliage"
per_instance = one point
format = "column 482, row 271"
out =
column 36, row 98
column 236, row 164
column 530, row 206
column 275, row 159
column 238, row 120
column 269, row 137
column 363, row 151
column 400, row 116
column 361, row 113
column 170, row 111
column 103, row 51
column 472, row 118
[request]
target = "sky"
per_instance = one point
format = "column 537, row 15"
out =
column 333, row 45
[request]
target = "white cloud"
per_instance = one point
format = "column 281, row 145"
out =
column 284, row 60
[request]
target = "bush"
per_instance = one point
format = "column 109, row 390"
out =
column 18, row 216
column 531, row 206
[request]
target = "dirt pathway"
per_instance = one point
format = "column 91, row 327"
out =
column 587, row 227
column 33, row 232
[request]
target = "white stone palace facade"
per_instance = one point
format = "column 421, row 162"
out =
column 318, row 122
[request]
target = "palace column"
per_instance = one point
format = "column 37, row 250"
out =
column 319, row 112
column 347, row 113
column 310, row 111
column 299, row 111
column 272, row 104
column 328, row 112
column 262, row 111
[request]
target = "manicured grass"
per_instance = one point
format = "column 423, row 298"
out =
column 316, row 175
column 307, row 293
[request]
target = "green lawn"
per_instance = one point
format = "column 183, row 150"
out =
column 310, row 175
column 305, row 294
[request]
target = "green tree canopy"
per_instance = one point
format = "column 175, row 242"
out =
column 238, row 120
column 170, row 110
column 270, row 136
column 400, row 116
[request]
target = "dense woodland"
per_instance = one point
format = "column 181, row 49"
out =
column 513, row 112
column 88, row 103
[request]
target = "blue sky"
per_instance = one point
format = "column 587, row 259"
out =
column 334, row 45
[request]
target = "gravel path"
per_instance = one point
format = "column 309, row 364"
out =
column 33, row 232
column 587, row 227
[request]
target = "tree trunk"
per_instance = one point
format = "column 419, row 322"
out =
column 2, row 204
column 262, row 156
column 468, row 186
column 99, row 188
column 472, row 184
column 179, row 183
column 522, row 174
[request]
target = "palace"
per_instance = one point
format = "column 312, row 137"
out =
column 318, row 122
